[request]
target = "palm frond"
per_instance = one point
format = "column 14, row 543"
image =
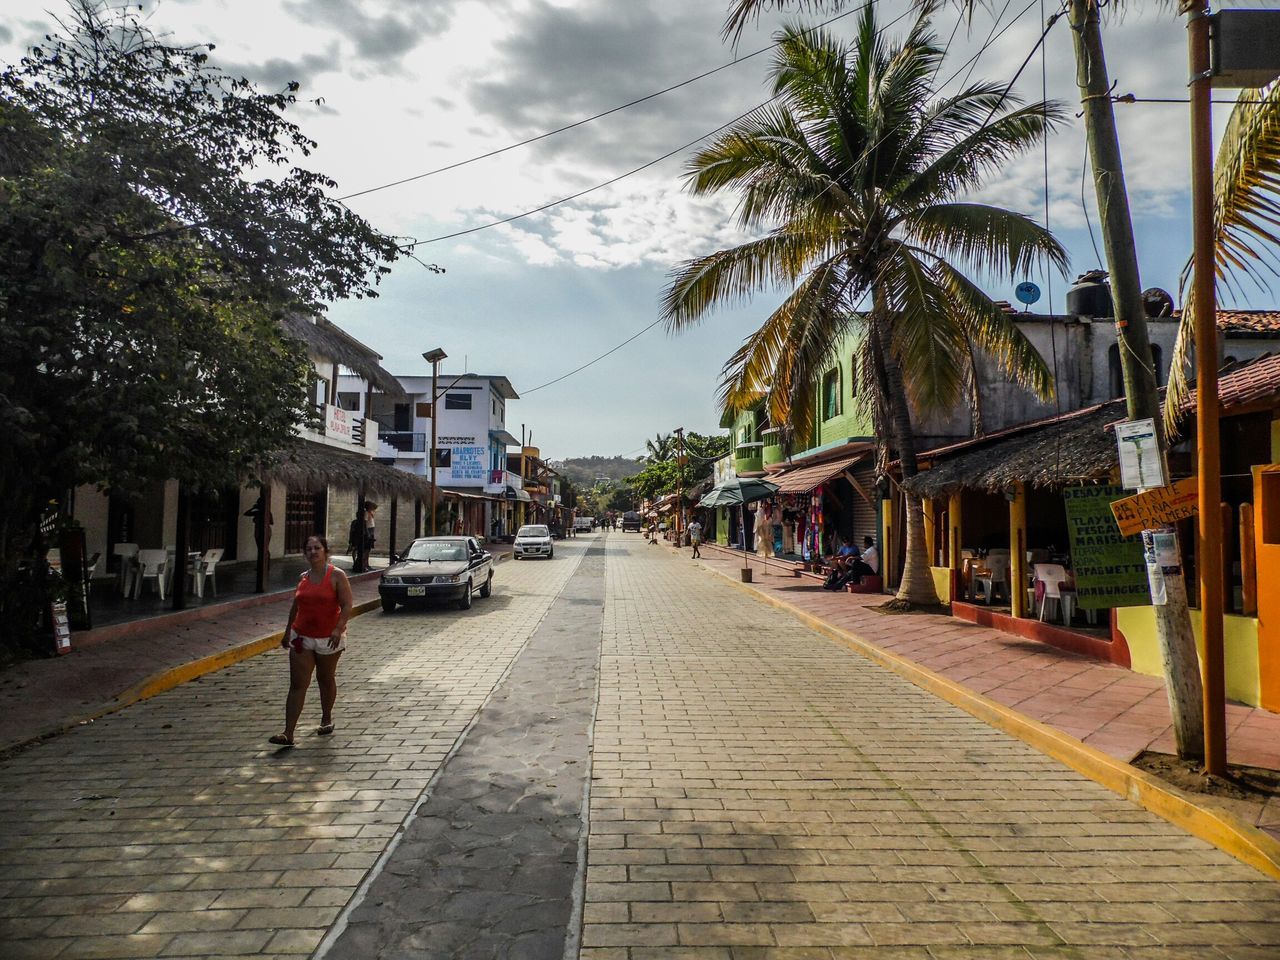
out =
column 929, row 346
column 996, row 333
column 1246, row 219
column 989, row 238
column 733, row 275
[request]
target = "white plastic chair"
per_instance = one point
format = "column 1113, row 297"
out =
column 1053, row 576
column 994, row 577
column 128, row 554
column 204, row 568
column 152, row 565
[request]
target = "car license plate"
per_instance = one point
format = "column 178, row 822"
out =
column 416, row 592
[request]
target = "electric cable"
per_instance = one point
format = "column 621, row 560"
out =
column 598, row 116
column 650, row 326
column 1084, row 205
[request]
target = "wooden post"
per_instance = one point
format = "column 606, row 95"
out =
column 1227, row 521
column 1248, row 562
column 930, row 529
column 1018, row 551
column 417, row 518
column 955, row 520
column 391, row 541
column 180, row 541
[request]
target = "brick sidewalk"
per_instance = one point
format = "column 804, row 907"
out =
column 1119, row 712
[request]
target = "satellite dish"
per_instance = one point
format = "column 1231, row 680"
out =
column 1027, row 292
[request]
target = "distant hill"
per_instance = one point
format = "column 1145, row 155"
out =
column 584, row 470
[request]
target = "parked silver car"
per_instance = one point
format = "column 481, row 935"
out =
column 438, row 568
column 533, row 540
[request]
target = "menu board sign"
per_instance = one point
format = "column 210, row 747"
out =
column 1110, row 569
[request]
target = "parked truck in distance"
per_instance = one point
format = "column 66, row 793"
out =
column 584, row 523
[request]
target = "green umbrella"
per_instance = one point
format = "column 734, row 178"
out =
column 737, row 491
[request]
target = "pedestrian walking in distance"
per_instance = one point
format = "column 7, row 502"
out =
column 362, row 534
column 695, row 538
column 315, row 636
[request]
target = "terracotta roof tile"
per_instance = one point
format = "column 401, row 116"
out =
column 1249, row 321
column 1247, row 383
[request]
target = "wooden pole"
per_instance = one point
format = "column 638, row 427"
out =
column 180, row 541
column 391, row 541
column 1248, row 562
column 1208, row 460
column 1018, row 551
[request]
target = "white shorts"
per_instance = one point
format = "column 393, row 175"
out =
column 317, row 645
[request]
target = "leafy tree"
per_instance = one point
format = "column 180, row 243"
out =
column 855, row 170
column 153, row 231
column 623, row 498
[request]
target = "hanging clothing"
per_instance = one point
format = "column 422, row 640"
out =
column 764, row 531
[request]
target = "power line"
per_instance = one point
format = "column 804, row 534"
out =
column 583, row 193
column 598, row 116
column 634, row 336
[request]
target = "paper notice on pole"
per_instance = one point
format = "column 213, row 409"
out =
column 1141, row 466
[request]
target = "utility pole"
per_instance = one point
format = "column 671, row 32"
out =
column 1208, row 459
column 1173, row 618
column 679, row 432
column 434, row 357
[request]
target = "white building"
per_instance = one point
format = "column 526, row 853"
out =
column 471, row 436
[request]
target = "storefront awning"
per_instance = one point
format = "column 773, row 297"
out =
column 514, row 494
column 804, row 479
column 504, row 438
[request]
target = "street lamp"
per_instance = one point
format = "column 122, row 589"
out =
column 434, row 357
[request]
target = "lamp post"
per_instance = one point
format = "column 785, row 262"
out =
column 434, row 357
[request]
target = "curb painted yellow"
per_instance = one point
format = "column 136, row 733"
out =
column 186, row 672
column 1225, row 831
column 174, row 677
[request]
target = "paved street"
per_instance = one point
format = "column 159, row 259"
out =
column 754, row 791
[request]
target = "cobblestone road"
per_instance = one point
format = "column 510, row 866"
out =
column 757, row 792
column 173, row 829
column 761, row 792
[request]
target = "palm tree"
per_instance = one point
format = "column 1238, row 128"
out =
column 854, row 169
column 661, row 448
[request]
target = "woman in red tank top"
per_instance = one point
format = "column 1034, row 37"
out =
column 315, row 636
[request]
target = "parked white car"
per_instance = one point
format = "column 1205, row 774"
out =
column 533, row 540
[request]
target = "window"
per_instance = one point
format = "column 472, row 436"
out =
column 422, row 410
column 1117, row 374
column 444, row 458
column 853, row 377
column 831, row 395
column 348, row 401
column 457, row 401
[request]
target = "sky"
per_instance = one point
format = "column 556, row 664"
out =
column 400, row 88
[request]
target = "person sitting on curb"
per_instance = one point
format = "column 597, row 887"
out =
column 845, row 554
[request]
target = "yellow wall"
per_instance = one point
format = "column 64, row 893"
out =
column 1240, row 642
column 942, row 582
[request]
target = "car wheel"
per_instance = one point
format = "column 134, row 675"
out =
column 515, row 556
column 487, row 590
column 551, row 554
column 464, row 602
column 388, row 605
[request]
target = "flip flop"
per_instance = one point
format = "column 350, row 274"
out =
column 324, row 729
column 280, row 740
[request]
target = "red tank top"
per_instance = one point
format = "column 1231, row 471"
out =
column 318, row 608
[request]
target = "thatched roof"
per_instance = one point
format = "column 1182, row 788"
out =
column 330, row 341
column 1056, row 452
column 311, row 464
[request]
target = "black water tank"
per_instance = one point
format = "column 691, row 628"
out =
column 1091, row 295
column 1158, row 303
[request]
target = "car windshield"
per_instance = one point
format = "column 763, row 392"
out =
column 534, row 531
column 437, row 550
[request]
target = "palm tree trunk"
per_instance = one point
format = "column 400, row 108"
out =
column 1173, row 618
column 917, row 588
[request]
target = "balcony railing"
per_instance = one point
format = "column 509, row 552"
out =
column 405, row 441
